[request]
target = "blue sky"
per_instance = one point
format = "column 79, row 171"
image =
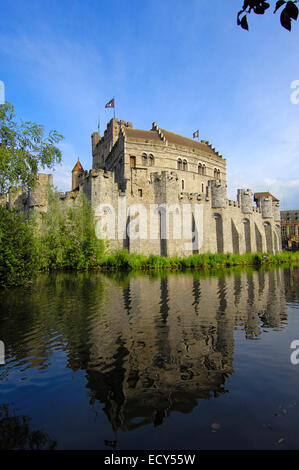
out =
column 184, row 64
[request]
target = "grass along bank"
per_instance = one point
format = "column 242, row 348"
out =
column 123, row 260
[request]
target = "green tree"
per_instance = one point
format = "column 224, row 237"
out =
column 67, row 238
column 288, row 13
column 24, row 150
column 18, row 257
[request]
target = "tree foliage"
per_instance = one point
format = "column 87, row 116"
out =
column 18, row 257
column 24, row 150
column 259, row 7
column 15, row 433
column 67, row 238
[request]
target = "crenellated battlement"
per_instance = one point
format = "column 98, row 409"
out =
column 212, row 148
column 156, row 128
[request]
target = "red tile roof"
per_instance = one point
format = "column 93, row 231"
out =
column 78, row 166
column 171, row 137
column 141, row 134
column 266, row 194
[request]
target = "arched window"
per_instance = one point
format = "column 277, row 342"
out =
column 204, row 169
column 202, row 187
column 144, row 159
column 218, row 174
column 183, row 184
column 200, row 168
column 151, row 160
column 185, row 165
column 215, row 173
column 179, row 164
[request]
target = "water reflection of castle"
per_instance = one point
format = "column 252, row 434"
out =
column 159, row 345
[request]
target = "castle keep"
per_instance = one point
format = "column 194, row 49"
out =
column 157, row 192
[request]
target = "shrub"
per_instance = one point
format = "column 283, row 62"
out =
column 17, row 249
column 67, row 239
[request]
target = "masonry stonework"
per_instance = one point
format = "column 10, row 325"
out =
column 156, row 192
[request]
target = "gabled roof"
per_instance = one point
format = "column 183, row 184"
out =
column 186, row 142
column 78, row 166
column 141, row 134
column 170, row 137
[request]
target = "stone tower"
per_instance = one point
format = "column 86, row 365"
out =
column 218, row 193
column 76, row 173
column 245, row 199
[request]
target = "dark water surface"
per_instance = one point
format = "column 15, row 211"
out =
column 178, row 361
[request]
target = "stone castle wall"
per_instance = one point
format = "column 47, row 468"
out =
column 154, row 206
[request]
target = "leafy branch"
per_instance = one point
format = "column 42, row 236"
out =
column 24, row 150
column 259, row 7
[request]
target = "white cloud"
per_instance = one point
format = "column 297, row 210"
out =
column 62, row 177
column 62, row 174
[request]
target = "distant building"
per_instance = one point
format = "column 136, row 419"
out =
column 290, row 229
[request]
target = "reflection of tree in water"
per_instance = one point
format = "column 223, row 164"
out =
column 59, row 306
column 15, row 433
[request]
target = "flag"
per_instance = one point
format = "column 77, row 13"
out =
column 196, row 134
column 110, row 104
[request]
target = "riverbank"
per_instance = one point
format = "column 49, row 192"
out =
column 123, row 260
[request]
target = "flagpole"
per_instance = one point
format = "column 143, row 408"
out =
column 114, row 107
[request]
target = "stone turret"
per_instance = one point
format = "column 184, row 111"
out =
column 102, row 146
column 276, row 210
column 76, row 173
column 95, row 139
column 218, row 194
column 38, row 196
column 245, row 199
column 265, row 203
column 266, row 207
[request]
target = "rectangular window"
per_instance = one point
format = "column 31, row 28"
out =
column 140, row 192
column 132, row 161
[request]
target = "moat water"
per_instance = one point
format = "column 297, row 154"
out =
column 139, row 361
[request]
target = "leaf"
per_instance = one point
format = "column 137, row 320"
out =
column 292, row 10
column 279, row 4
column 244, row 24
column 260, row 8
column 285, row 20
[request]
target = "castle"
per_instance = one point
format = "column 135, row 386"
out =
column 156, row 192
